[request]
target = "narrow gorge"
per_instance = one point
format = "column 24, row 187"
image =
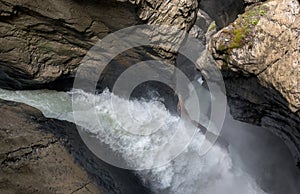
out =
column 148, row 96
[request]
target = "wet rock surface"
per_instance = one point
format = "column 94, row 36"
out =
column 222, row 12
column 42, row 44
column 40, row 155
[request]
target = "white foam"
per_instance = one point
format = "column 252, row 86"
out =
column 189, row 173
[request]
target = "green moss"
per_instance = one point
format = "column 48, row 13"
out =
column 242, row 28
column 254, row 21
column 222, row 47
column 212, row 26
column 237, row 40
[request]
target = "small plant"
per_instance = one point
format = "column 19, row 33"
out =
column 212, row 26
column 237, row 40
column 241, row 32
column 254, row 22
column 222, row 47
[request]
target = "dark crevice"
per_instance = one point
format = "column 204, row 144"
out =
column 32, row 149
column 80, row 188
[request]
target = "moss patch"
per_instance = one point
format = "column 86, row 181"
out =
column 212, row 26
column 242, row 27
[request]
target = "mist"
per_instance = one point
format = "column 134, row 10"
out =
column 256, row 161
column 263, row 155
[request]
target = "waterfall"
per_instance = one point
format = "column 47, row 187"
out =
column 187, row 173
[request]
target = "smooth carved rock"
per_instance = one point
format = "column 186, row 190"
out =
column 34, row 161
column 173, row 16
column 259, row 56
column 180, row 14
column 39, row 155
column 44, row 41
column 222, row 12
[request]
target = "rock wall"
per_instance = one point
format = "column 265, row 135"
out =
column 259, row 56
column 42, row 44
column 222, row 12
column 44, row 41
column 39, row 155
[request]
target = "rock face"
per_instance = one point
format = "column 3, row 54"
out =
column 180, row 14
column 39, row 155
column 42, row 44
column 259, row 56
column 44, row 41
column 222, row 11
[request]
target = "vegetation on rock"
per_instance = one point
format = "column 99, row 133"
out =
column 241, row 29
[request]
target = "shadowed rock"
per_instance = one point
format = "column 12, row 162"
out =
column 39, row 155
column 259, row 57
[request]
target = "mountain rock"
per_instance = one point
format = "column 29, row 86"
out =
column 44, row 41
column 259, row 57
column 39, row 155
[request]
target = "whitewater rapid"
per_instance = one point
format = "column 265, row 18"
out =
column 188, row 173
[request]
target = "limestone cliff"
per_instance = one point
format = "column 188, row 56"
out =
column 259, row 57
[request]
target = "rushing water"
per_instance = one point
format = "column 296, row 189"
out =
column 219, row 171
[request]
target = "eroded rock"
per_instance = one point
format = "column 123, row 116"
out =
column 259, row 56
column 39, row 155
column 42, row 42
